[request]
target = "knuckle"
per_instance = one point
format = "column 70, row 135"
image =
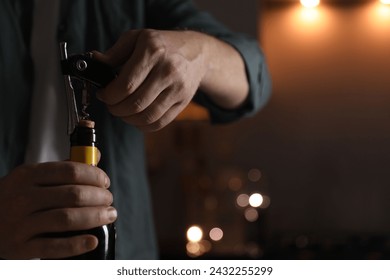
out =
column 77, row 195
column 171, row 67
column 149, row 35
column 157, row 49
column 101, row 216
column 180, row 88
column 182, row 91
column 66, row 217
column 72, row 171
column 182, row 81
column 149, row 118
column 155, row 44
column 175, row 68
column 130, row 87
column 137, row 106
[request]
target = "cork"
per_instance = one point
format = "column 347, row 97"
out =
column 87, row 123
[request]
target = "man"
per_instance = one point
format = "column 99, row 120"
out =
column 168, row 53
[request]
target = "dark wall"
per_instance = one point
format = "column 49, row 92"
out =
column 241, row 16
column 327, row 143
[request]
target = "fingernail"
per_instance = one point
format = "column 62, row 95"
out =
column 112, row 214
column 107, row 182
column 90, row 243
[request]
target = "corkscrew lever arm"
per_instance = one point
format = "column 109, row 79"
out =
column 73, row 116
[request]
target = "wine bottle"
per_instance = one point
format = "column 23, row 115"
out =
column 83, row 149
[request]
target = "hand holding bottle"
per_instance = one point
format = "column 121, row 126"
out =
column 49, row 198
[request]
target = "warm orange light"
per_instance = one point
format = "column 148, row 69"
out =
column 310, row 15
column 310, row 3
column 384, row 11
column 194, row 234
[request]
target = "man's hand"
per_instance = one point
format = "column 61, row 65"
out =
column 161, row 71
column 48, row 198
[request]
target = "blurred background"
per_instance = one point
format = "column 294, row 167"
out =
column 309, row 176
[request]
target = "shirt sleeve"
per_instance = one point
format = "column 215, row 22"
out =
column 179, row 14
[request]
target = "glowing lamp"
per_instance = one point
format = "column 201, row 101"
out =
column 310, row 3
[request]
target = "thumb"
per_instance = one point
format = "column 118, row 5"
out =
column 121, row 51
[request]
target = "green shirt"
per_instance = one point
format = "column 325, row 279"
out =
column 97, row 24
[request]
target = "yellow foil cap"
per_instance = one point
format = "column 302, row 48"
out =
column 84, row 154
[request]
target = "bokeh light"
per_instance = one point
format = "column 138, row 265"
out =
column 255, row 200
column 194, row 234
column 266, row 202
column 235, row 183
column 251, row 215
column 254, row 175
column 216, row 234
column 193, row 249
column 196, row 249
column 242, row 200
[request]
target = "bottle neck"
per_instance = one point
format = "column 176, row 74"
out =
column 84, row 134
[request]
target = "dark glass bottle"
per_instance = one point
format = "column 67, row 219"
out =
column 83, row 149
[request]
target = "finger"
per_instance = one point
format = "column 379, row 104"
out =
column 59, row 248
column 120, row 52
column 167, row 118
column 70, row 219
column 154, row 112
column 69, row 173
column 151, row 88
column 147, row 52
column 69, row 196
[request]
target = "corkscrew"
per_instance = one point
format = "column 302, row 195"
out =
column 91, row 73
column 83, row 140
